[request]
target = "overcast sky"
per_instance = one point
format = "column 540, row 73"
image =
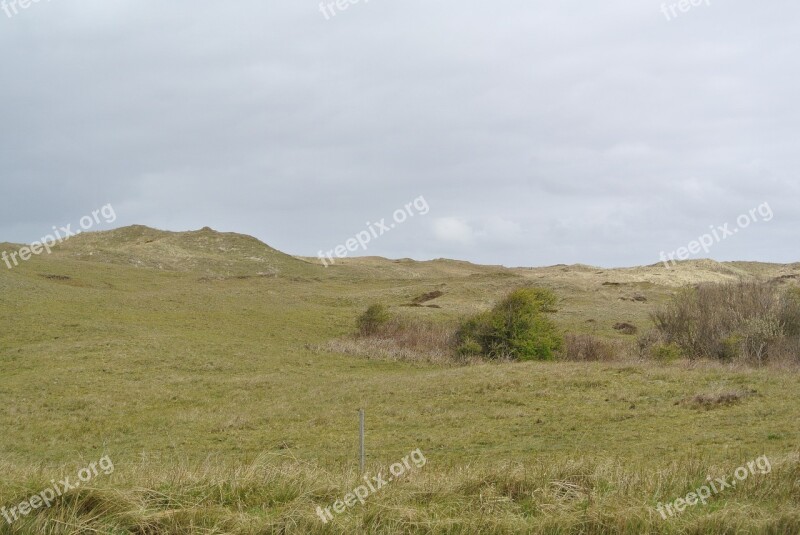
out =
column 538, row 132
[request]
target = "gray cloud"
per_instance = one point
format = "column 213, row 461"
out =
column 539, row 132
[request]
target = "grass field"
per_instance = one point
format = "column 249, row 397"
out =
column 193, row 361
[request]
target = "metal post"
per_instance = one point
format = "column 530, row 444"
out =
column 361, row 436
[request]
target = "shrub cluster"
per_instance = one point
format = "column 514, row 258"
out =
column 383, row 333
column 589, row 348
column 373, row 320
column 749, row 321
column 517, row 328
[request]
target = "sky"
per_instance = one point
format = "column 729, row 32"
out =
column 528, row 132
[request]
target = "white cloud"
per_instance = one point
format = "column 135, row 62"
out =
column 452, row 229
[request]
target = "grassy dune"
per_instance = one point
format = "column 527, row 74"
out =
column 192, row 360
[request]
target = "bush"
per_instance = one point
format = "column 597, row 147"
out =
column 469, row 347
column 666, row 353
column 652, row 345
column 516, row 328
column 588, row 348
column 397, row 337
column 749, row 321
column 373, row 319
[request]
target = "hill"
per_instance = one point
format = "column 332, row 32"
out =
column 193, row 361
column 203, row 251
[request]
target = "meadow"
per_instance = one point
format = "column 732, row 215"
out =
column 200, row 363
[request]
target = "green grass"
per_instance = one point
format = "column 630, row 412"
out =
column 198, row 379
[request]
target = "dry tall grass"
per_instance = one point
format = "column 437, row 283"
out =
column 591, row 348
column 278, row 495
column 407, row 339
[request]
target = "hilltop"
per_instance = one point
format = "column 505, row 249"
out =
column 210, row 252
column 203, row 251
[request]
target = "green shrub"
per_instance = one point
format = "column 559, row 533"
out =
column 731, row 347
column 516, row 328
column 469, row 347
column 666, row 352
column 790, row 312
column 371, row 321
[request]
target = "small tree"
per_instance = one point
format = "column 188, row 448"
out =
column 375, row 317
column 516, row 328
